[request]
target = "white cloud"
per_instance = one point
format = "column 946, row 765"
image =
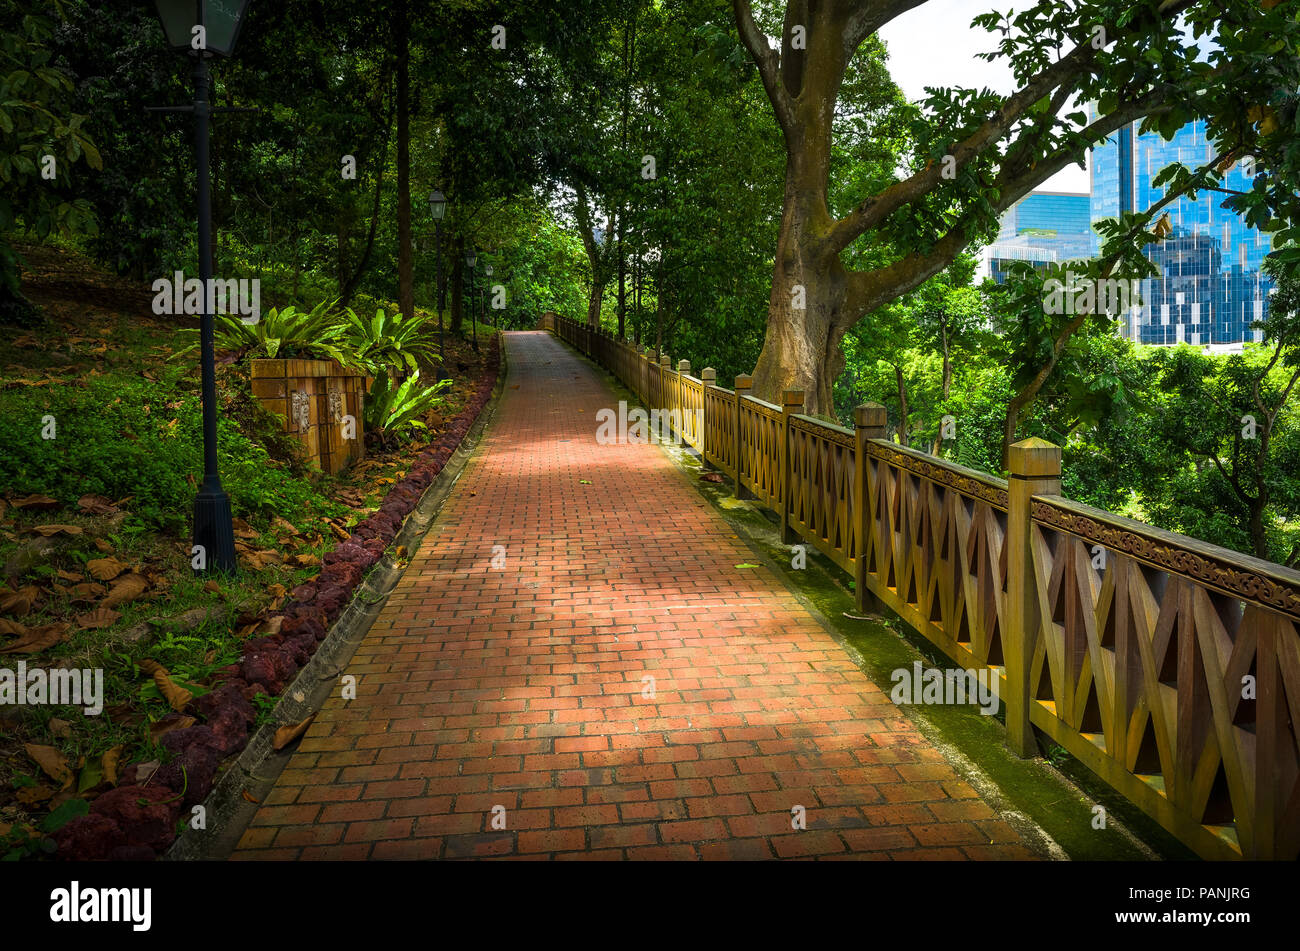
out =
column 935, row 45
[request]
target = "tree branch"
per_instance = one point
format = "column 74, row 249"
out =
column 768, row 64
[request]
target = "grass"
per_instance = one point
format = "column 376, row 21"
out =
column 101, row 332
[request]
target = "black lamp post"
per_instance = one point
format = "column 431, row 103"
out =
column 487, row 272
column 206, row 28
column 471, row 258
column 438, row 208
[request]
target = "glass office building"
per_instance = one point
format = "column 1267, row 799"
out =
column 1211, row 286
column 1041, row 228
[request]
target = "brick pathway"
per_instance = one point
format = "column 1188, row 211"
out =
column 527, row 687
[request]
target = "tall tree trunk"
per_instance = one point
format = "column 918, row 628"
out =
column 594, row 300
column 405, row 265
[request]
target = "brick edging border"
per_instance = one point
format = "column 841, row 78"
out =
column 136, row 820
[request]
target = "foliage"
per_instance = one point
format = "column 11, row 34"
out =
column 286, row 333
column 118, row 436
column 41, row 140
column 393, row 410
column 390, row 340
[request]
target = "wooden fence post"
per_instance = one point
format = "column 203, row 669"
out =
column 791, row 403
column 1035, row 469
column 744, row 383
column 869, row 422
column 709, row 377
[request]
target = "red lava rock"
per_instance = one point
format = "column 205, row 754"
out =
column 143, row 813
column 342, row 573
column 229, row 697
column 304, row 592
column 269, row 668
column 192, row 771
column 88, row 838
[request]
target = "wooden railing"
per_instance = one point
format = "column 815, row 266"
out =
column 1170, row 667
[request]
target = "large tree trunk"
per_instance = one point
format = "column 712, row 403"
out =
column 808, row 309
column 405, row 265
column 594, row 300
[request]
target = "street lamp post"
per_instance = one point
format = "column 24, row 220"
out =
column 487, row 271
column 206, row 28
column 471, row 258
column 438, row 208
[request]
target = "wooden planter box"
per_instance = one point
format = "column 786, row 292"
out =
column 315, row 398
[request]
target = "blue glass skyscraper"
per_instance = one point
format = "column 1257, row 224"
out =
column 1211, row 286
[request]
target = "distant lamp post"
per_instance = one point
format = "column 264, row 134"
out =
column 438, row 209
column 471, row 258
column 203, row 29
column 487, row 271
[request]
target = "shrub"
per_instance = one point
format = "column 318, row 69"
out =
column 119, row 436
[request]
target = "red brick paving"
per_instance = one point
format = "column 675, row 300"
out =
column 525, row 688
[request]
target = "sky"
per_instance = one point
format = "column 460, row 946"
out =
column 935, row 45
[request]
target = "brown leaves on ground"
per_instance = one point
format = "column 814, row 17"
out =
column 168, row 723
column 53, row 763
column 98, row 505
column 125, row 590
column 31, row 640
column 290, row 732
column 256, row 558
column 37, row 503
column 86, row 592
column 48, row 531
column 19, row 603
column 99, row 618
column 105, row 569
column 178, row 698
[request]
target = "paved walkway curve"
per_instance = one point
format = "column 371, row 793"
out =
column 527, row 687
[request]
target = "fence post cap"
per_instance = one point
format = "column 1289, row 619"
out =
column 792, row 397
column 869, row 414
column 683, row 366
column 744, row 381
column 1034, row 457
column 709, row 375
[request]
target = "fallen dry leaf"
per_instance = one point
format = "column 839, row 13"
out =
column 96, row 505
column 19, row 602
column 290, row 732
column 34, row 639
column 125, row 590
column 105, row 569
column 250, row 797
column 70, row 575
column 60, row 729
column 305, row 561
column 36, row 502
column 283, row 525
column 104, row 546
column 49, row 530
column 160, row 727
column 87, row 591
column 31, row 795
column 109, row 762
column 53, row 763
column 96, row 619
column 178, row 698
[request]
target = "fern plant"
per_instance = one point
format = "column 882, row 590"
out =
column 394, row 409
column 390, row 340
column 287, row 332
